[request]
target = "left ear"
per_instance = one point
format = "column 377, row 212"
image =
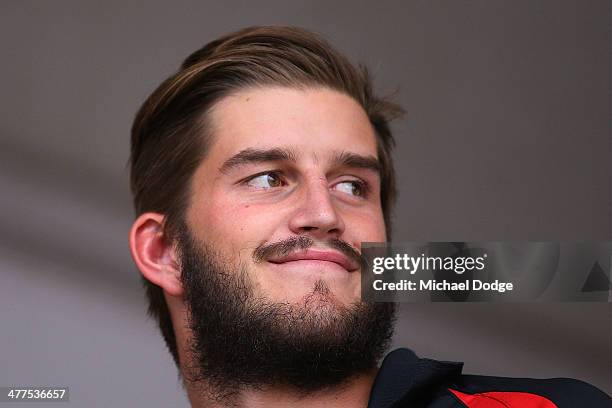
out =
column 154, row 255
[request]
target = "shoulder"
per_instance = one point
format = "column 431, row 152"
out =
column 405, row 380
column 527, row 392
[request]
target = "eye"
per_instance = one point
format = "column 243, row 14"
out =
column 265, row 181
column 352, row 187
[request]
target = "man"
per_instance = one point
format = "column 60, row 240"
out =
column 257, row 171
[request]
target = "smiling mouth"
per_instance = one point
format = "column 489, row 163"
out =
column 317, row 258
column 311, row 263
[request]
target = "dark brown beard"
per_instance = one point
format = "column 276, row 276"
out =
column 243, row 341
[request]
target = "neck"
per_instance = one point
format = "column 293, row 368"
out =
column 354, row 393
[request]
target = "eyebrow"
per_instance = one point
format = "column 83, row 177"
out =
column 339, row 159
column 249, row 156
column 354, row 160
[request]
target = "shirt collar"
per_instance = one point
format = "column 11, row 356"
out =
column 403, row 377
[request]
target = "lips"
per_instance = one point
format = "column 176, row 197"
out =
column 318, row 255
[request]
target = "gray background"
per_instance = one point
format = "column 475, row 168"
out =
column 507, row 137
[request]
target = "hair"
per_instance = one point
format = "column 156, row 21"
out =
column 171, row 135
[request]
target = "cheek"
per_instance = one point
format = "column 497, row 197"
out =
column 237, row 226
column 214, row 224
column 366, row 227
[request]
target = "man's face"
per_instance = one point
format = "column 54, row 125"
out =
column 285, row 163
column 269, row 254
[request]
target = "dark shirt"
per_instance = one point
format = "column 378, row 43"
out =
column 405, row 380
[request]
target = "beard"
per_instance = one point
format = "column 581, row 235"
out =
column 242, row 340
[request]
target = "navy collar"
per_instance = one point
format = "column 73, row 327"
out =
column 403, row 377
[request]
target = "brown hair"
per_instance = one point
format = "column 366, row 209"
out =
column 170, row 134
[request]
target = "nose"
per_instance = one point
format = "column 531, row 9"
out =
column 316, row 214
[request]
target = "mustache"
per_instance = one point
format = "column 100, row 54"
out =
column 289, row 245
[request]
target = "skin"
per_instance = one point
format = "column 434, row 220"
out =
column 241, row 207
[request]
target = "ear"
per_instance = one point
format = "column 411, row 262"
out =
column 154, row 255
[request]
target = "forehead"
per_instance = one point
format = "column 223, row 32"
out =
column 313, row 122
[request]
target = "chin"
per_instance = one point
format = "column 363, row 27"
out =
column 317, row 293
column 323, row 295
